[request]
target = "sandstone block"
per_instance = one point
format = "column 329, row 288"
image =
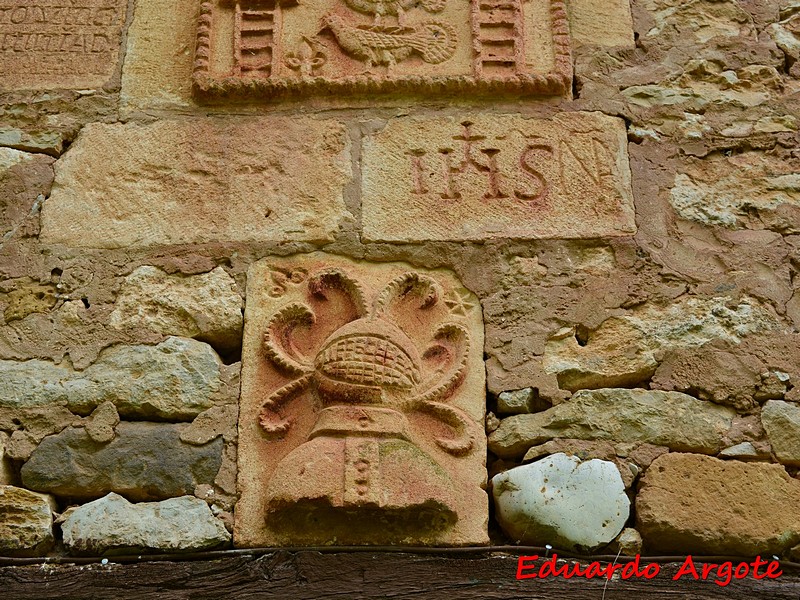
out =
column 516, row 401
column 157, row 72
column 781, row 421
column 691, row 504
column 206, row 307
column 25, row 180
column 26, row 522
column 145, row 461
column 601, row 22
column 101, row 424
column 5, row 467
column 251, row 180
column 562, row 501
column 363, row 400
column 500, row 176
column 630, row 542
column 32, row 383
column 662, row 418
column 175, row 380
column 112, row 525
column 712, row 191
column 53, row 45
column 622, row 351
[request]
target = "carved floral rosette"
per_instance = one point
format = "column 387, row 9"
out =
column 362, row 403
column 266, row 49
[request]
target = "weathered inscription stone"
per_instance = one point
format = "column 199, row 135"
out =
column 59, row 43
column 269, row 47
column 499, row 176
column 222, row 179
column 361, row 408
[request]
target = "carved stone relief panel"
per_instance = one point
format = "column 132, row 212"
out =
column 497, row 176
column 363, row 396
column 278, row 47
column 58, row 44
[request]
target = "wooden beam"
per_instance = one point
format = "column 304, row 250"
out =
column 309, row 575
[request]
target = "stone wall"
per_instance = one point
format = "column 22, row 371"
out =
column 619, row 196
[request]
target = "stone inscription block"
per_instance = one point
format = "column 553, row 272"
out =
column 363, row 398
column 59, row 43
column 200, row 181
column 497, row 176
column 278, row 47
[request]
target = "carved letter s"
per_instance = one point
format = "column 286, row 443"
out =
column 529, row 170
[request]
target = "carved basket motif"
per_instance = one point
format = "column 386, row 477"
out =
column 357, row 390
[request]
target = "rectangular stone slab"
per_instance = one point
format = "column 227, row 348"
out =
column 200, row 180
column 360, row 429
column 57, row 44
column 479, row 177
column 269, row 48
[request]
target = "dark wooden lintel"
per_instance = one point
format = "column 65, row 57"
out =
column 310, row 575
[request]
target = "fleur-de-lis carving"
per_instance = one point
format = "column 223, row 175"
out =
column 308, row 58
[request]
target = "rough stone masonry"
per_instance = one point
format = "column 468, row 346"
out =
column 354, row 271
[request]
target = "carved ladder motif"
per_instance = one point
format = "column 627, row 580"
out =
column 498, row 34
column 255, row 37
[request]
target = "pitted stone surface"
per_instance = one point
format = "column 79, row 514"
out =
column 363, row 399
column 26, row 522
column 701, row 505
column 622, row 350
column 134, row 185
column 5, row 466
column 175, row 380
column 500, row 176
column 646, row 416
column 205, row 307
column 145, row 461
column 113, row 525
column 562, row 501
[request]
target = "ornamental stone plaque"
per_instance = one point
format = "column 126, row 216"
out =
column 363, row 396
column 59, row 43
column 277, row 47
column 479, row 177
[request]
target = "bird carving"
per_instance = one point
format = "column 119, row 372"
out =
column 380, row 8
column 435, row 42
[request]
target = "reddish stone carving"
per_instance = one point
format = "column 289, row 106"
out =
column 273, row 48
column 365, row 393
column 57, row 44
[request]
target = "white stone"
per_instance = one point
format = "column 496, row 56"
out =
column 562, row 501
column 113, row 524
